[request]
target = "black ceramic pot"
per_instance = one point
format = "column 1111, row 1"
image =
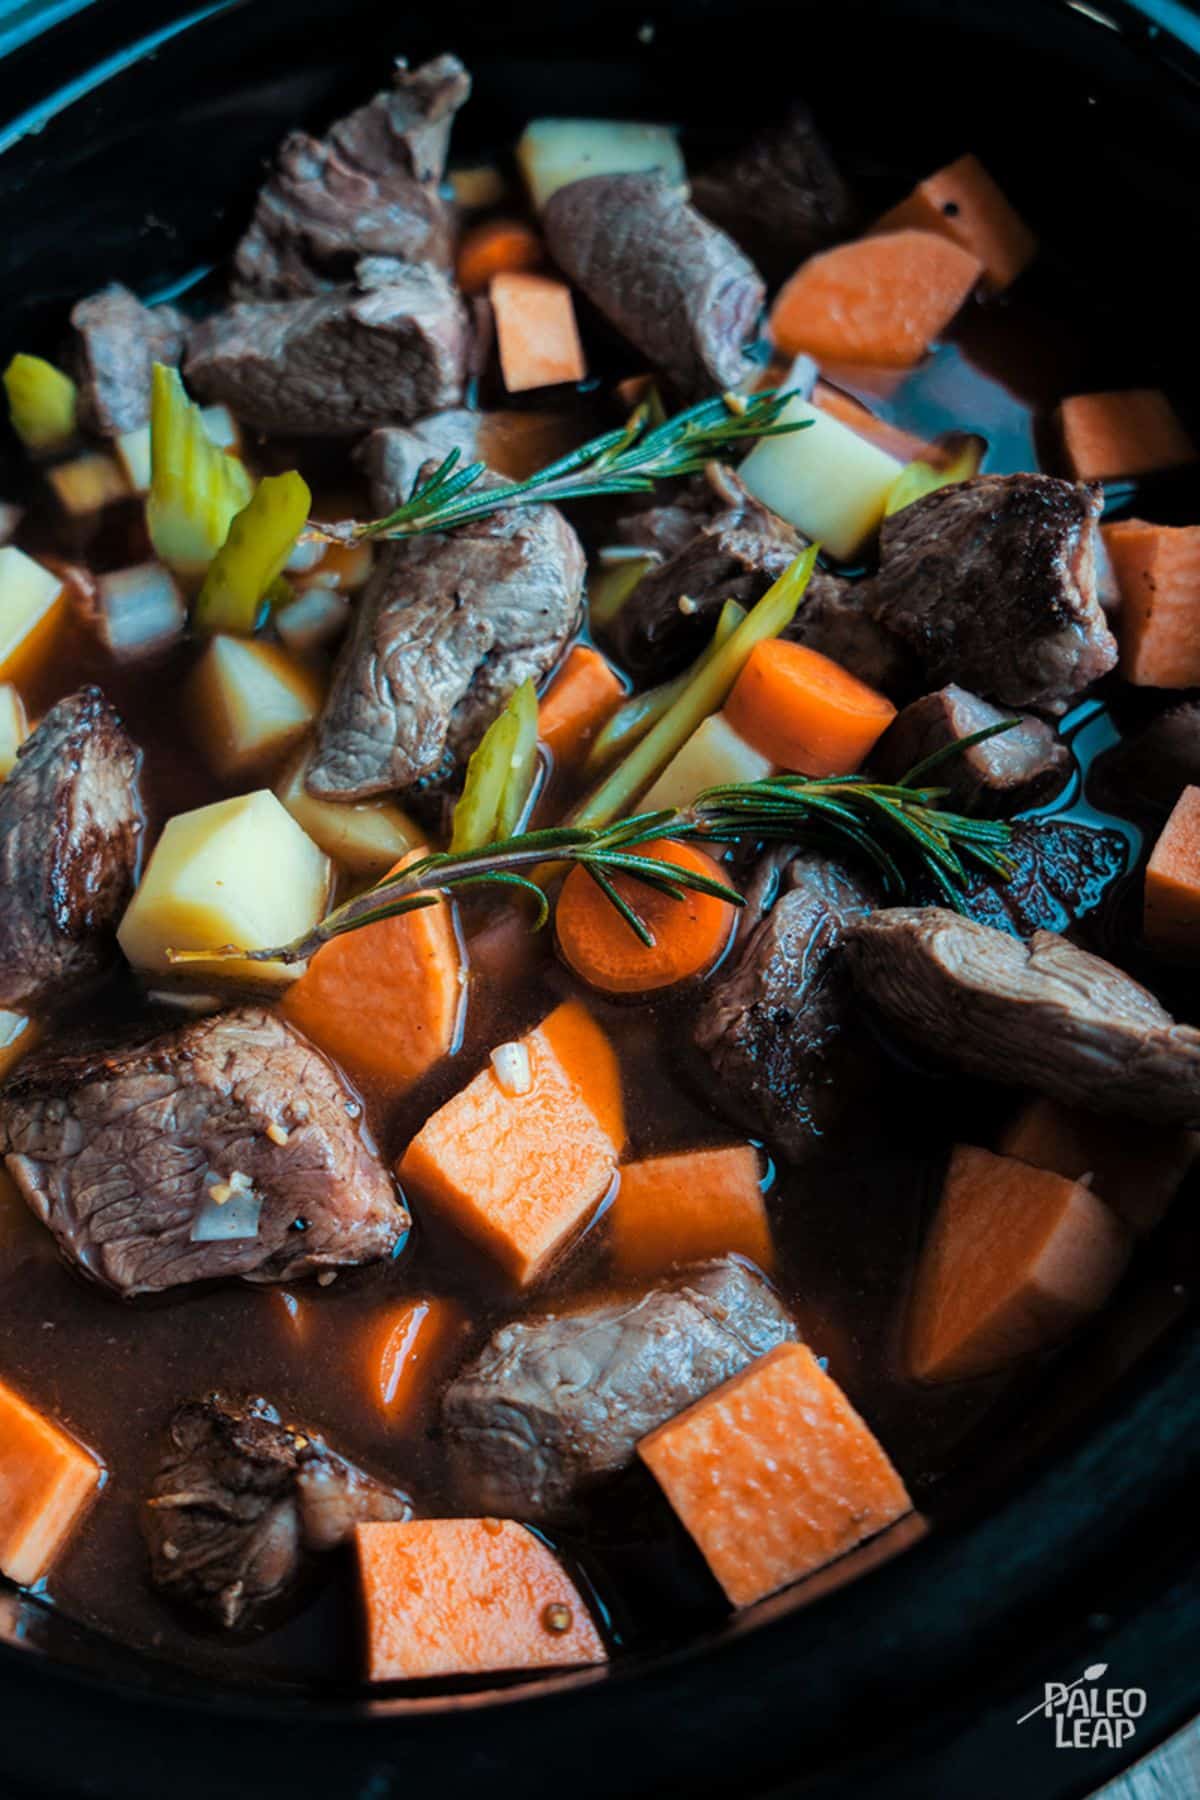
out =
column 131, row 135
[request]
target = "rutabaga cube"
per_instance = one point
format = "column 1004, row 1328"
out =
column 367, row 837
column 238, row 872
column 250, row 702
column 14, row 727
column 826, row 480
column 553, row 152
column 87, row 484
column 714, row 754
column 31, row 609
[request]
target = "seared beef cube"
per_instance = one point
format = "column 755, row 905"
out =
column 1041, row 1014
column 991, row 582
column 834, row 619
column 555, row 1404
column 394, row 456
column 70, row 821
column 370, row 188
column 1151, row 768
column 447, row 629
column 1017, row 768
column 116, row 341
column 662, row 530
column 226, row 1148
column 1062, row 870
column 676, row 287
column 392, row 348
column 777, row 1023
column 238, row 1499
column 780, row 197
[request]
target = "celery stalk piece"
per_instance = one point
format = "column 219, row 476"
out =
column 704, row 693
column 41, row 403
column 196, row 489
column 919, row 477
column 488, row 774
column 630, row 723
column 523, row 761
column 250, row 561
column 611, row 588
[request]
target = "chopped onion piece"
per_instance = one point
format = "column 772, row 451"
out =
column 511, row 1063
column 141, row 610
column 316, row 618
column 305, row 554
column 229, row 1210
column 222, row 427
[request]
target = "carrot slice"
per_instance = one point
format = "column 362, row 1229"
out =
column 405, row 1348
column 804, row 711
column 1157, row 570
column 881, row 300
column 536, row 333
column 774, row 1474
column 47, row 1481
column 1133, row 432
column 582, row 697
column 1171, row 919
column 519, row 1160
column 384, row 1000
column 962, row 202
column 847, row 411
column 687, row 1208
column 496, row 247
column 604, row 950
column 1015, row 1258
column 468, row 1597
column 1134, row 1168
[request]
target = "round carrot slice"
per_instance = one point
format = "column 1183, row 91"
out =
column 605, row 951
column 804, row 711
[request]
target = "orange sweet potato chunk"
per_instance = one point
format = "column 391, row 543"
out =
column 582, row 697
column 687, row 1208
column 521, row 1172
column 468, row 1597
column 962, row 202
column 1016, row 1256
column 880, row 300
column 774, row 1474
column 536, row 334
column 46, row 1482
column 1157, row 570
column 1171, row 918
column 1133, row 1167
column 1133, row 431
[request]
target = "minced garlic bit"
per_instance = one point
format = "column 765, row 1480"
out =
column 220, row 1192
column 687, row 605
column 327, row 1277
column 511, row 1063
column 278, row 1134
column 557, row 1616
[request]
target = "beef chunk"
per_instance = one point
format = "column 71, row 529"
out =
column 675, row 286
column 239, row 1497
column 1062, row 870
column 393, row 457
column 1042, row 1014
column 991, row 582
column 780, row 197
column 833, row 618
column 70, row 821
column 448, row 627
column 127, row 1155
column 116, row 340
column 775, row 1023
column 391, row 348
column 1150, row 768
column 370, row 188
column 1018, row 768
column 555, row 1404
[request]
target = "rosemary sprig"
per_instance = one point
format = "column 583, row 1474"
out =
column 629, row 460
column 903, row 831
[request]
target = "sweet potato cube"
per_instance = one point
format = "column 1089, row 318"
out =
column 1134, row 431
column 1157, row 570
column 46, row 1481
column 468, row 1597
column 536, row 334
column 521, row 1158
column 963, row 203
column 583, row 695
column 688, row 1207
column 1133, row 1167
column 1016, row 1256
column 774, row 1474
column 1171, row 919
column 880, row 300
